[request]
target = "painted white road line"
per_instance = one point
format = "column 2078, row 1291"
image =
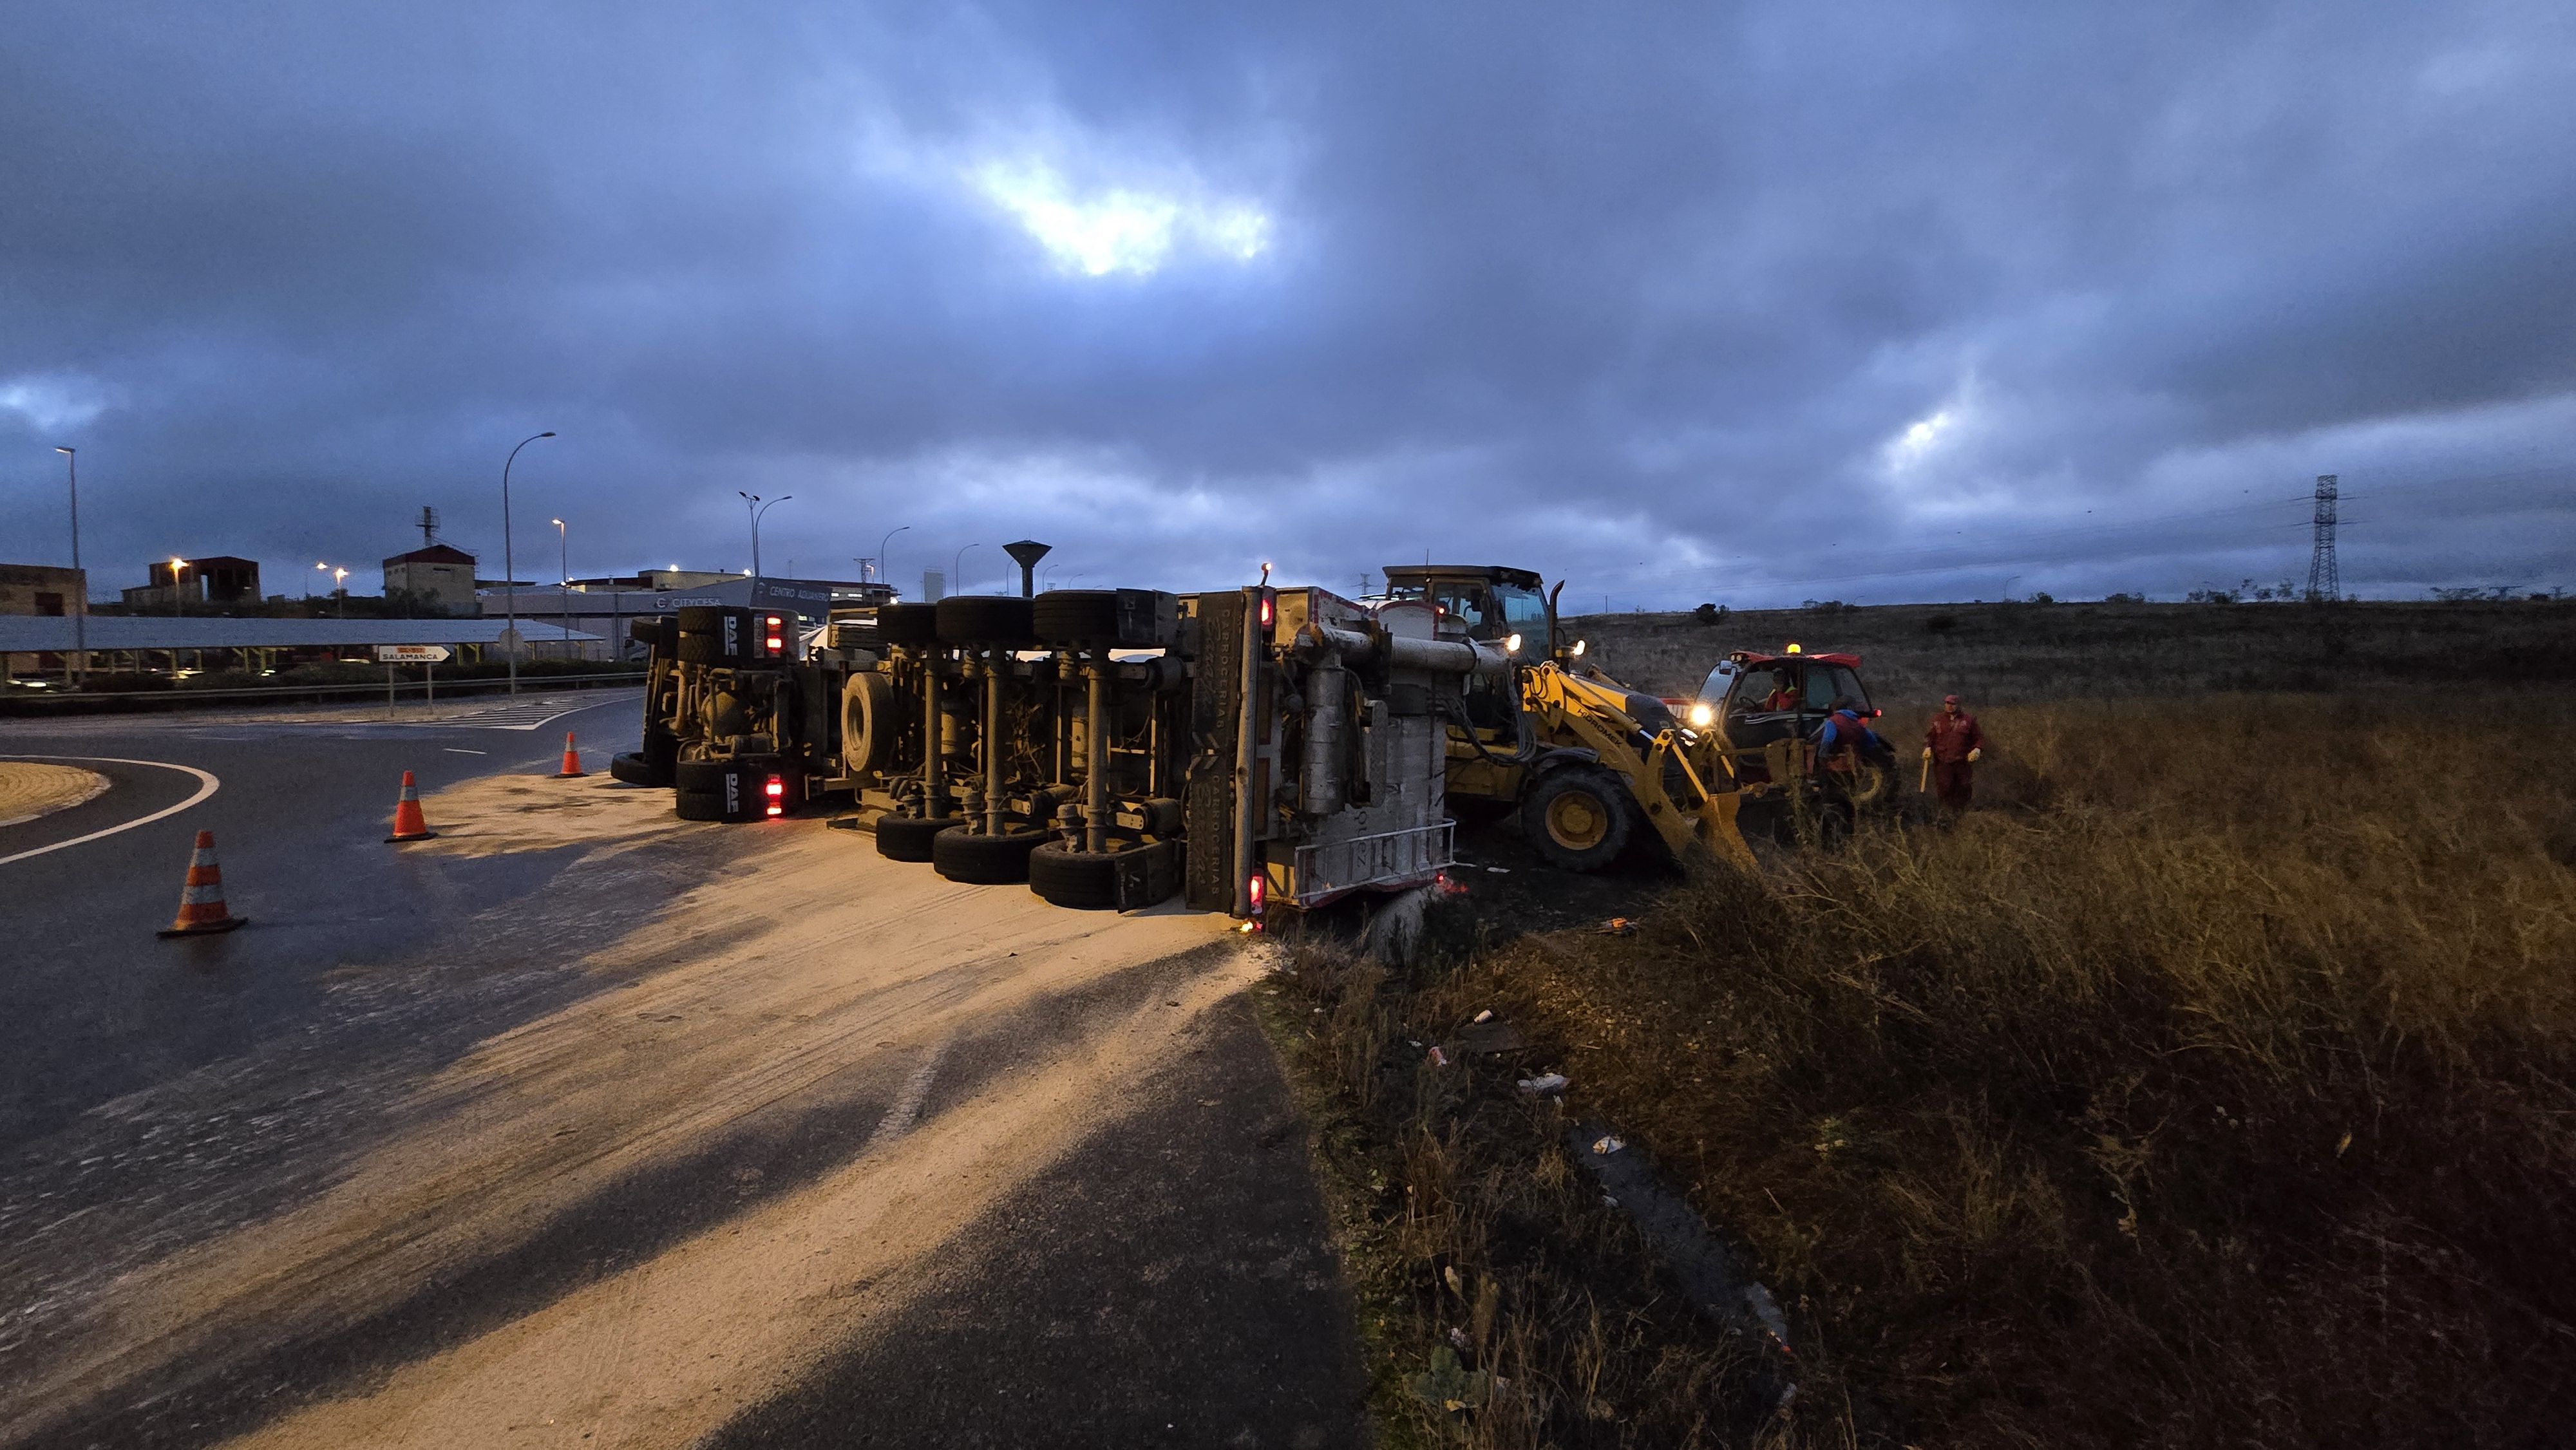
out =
column 207, row 785
column 460, row 750
column 907, row 1103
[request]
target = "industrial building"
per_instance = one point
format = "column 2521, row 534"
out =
column 37, row 645
column 213, row 581
column 436, row 576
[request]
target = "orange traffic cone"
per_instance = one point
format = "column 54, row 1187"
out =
column 201, row 902
column 572, row 761
column 409, row 824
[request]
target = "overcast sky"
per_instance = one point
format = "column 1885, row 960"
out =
column 1748, row 303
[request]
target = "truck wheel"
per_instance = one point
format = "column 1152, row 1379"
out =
column 645, row 630
column 908, row 624
column 911, row 838
column 1079, row 617
column 985, row 860
column 716, row 790
column 1082, row 880
column 1578, row 818
column 985, row 619
column 868, row 724
column 715, row 635
column 632, row 769
column 661, row 755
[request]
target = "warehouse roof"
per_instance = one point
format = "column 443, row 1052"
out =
column 32, row 633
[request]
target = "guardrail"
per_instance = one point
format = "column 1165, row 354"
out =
column 31, row 702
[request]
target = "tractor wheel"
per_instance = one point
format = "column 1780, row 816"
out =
column 1082, row 880
column 908, row 624
column 1578, row 818
column 911, row 838
column 985, row 619
column 985, row 860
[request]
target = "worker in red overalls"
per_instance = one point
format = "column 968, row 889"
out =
column 1953, row 744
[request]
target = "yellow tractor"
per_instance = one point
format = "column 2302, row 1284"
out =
column 1587, row 762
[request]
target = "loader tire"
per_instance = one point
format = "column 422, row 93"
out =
column 908, row 624
column 985, row 619
column 1081, row 880
column 1578, row 818
column 912, row 838
column 983, row 860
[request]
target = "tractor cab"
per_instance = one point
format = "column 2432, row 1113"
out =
column 1760, row 699
column 1495, row 603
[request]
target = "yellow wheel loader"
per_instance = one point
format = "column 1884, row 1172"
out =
column 1587, row 762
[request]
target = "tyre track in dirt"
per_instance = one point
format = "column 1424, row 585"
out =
column 792, row 991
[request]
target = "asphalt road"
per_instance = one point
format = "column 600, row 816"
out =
column 582, row 1126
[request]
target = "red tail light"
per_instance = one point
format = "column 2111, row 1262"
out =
column 1257, row 891
column 776, row 790
column 773, row 631
column 1269, row 610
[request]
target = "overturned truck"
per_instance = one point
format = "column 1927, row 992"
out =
column 1251, row 749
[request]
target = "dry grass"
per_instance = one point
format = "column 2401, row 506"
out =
column 2214, row 1087
column 2023, row 653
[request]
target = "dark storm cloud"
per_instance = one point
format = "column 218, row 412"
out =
column 1877, row 301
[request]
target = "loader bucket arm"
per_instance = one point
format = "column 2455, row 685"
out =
column 1596, row 715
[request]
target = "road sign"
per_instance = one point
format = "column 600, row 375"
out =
column 411, row 654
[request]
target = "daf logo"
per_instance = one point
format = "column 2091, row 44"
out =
column 732, row 636
column 733, row 793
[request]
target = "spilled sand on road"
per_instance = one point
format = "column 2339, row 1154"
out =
column 32, row 788
column 494, row 815
column 808, row 956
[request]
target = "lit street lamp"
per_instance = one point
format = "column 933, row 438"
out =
column 178, row 566
column 509, row 569
column 752, row 502
column 79, row 659
column 340, row 586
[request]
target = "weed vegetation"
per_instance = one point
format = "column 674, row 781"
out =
column 2213, row 1083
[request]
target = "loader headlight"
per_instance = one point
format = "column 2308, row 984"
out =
column 1701, row 716
column 1577, row 651
column 1512, row 645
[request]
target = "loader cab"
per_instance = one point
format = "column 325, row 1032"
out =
column 1496, row 603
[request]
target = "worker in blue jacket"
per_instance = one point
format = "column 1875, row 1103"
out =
column 1843, row 730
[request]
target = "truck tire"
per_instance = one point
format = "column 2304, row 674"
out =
column 868, row 724
column 633, row 769
column 715, row 635
column 1082, row 617
column 1578, row 817
column 717, row 790
column 646, row 631
column 983, row 860
column 1081, row 880
column 661, row 755
column 908, row 624
column 911, row 838
column 985, row 619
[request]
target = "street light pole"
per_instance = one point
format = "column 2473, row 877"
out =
column 78, row 662
column 752, row 502
column 509, row 569
column 177, row 566
column 340, row 586
column 884, row 574
column 563, row 581
column 955, row 580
